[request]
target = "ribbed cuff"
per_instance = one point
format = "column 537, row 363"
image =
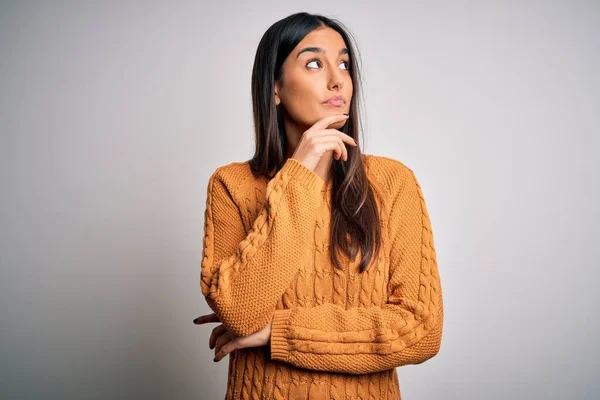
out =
column 301, row 174
column 279, row 331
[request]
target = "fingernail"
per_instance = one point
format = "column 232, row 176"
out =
column 215, row 359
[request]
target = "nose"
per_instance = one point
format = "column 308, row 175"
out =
column 335, row 80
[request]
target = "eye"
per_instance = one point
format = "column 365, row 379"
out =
column 312, row 61
column 319, row 63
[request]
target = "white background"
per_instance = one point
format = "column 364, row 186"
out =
column 113, row 115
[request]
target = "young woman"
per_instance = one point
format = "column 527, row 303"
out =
column 318, row 261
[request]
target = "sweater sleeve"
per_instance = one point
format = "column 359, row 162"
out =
column 407, row 329
column 243, row 276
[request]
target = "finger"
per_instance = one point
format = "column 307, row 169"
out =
column 334, row 132
column 332, row 144
column 327, row 145
column 345, row 150
column 207, row 318
column 328, row 120
column 353, row 143
column 347, row 139
column 226, row 349
column 223, row 340
column 216, row 333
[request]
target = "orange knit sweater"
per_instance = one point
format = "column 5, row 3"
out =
column 335, row 334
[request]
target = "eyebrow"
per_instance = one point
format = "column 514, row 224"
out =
column 319, row 50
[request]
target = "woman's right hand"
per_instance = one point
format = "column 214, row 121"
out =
column 318, row 139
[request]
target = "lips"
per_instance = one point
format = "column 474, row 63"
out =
column 336, row 103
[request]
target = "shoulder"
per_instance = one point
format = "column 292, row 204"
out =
column 230, row 177
column 391, row 174
column 234, row 172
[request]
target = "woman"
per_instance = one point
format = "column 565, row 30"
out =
column 318, row 261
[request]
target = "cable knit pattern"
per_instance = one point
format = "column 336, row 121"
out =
column 336, row 334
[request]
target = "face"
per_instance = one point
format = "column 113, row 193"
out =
column 313, row 76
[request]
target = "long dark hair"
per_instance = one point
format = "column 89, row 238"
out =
column 355, row 220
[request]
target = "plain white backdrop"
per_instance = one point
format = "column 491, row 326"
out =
column 114, row 114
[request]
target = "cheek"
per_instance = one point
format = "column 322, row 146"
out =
column 301, row 94
column 349, row 88
column 303, row 102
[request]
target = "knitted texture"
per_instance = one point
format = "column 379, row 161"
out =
column 336, row 334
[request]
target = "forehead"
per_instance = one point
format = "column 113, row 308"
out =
column 328, row 39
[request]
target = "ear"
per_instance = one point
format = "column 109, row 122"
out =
column 277, row 98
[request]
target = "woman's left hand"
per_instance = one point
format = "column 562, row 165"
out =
column 225, row 342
